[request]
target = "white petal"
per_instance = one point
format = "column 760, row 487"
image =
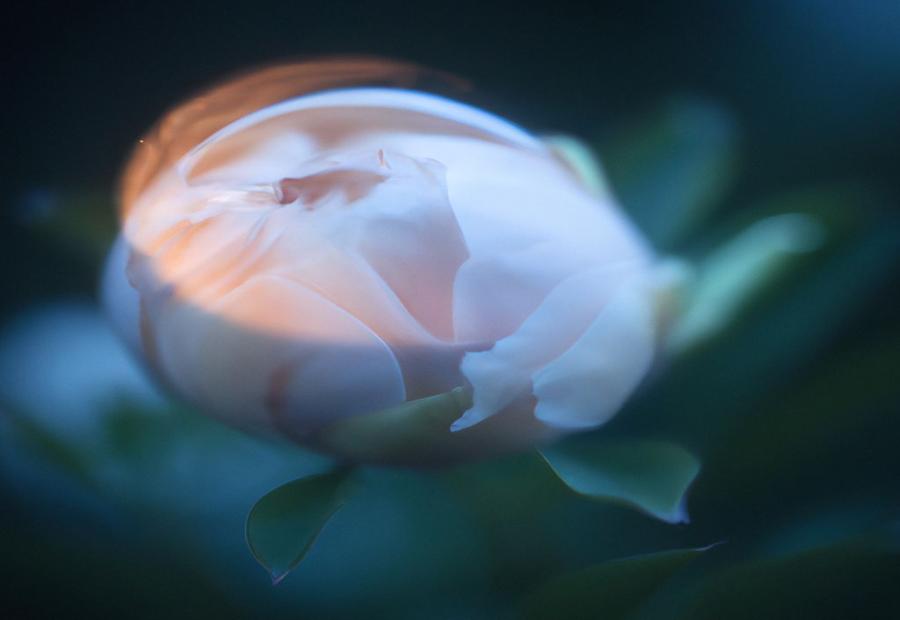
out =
column 586, row 385
column 494, row 294
column 503, row 373
column 507, row 199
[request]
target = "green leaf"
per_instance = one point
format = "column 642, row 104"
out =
column 652, row 476
column 611, row 590
column 737, row 271
column 417, row 431
column 84, row 220
column 51, row 448
column 283, row 526
column 841, row 420
column 839, row 581
column 582, row 161
column 782, row 323
column 671, row 170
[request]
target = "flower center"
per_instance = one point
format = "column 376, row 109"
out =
column 347, row 181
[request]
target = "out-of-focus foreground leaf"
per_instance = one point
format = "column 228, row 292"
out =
column 850, row 580
column 54, row 451
column 831, row 434
column 612, row 590
column 84, row 220
column 653, row 476
column 110, row 572
column 284, row 524
column 673, row 169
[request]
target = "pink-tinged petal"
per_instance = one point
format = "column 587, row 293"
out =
column 274, row 355
column 194, row 120
column 334, row 120
column 585, row 386
column 405, row 229
column 388, row 254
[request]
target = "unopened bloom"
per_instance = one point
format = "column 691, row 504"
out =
column 287, row 263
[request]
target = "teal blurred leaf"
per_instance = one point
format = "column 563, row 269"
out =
column 850, row 580
column 44, row 443
column 842, row 419
column 783, row 323
column 839, row 283
column 283, row 526
column 612, row 590
column 673, row 169
column 733, row 274
column 828, row 237
column 652, row 476
column 84, row 220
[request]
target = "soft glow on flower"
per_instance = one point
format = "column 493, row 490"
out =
column 292, row 258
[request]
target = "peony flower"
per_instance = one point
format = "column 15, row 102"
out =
column 298, row 253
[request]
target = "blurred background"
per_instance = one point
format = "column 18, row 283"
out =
column 759, row 140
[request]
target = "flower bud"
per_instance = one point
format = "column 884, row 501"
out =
column 298, row 253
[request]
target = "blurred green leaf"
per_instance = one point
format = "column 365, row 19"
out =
column 731, row 275
column 415, row 430
column 283, row 526
column 653, row 476
column 108, row 572
column 839, row 283
column 48, row 446
column 581, row 159
column 84, row 220
column 611, row 590
column 851, row 580
column 821, row 240
column 810, row 432
column 671, row 170
column 781, row 326
column 138, row 434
